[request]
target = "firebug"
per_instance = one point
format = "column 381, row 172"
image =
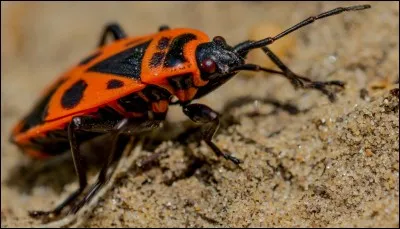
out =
column 125, row 87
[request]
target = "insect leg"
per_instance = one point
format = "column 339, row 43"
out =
column 75, row 125
column 115, row 29
column 299, row 81
column 200, row 113
column 125, row 126
column 163, row 27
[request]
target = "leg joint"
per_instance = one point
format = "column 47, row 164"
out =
column 200, row 113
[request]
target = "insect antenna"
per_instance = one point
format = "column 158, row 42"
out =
column 246, row 46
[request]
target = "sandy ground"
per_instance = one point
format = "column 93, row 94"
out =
column 326, row 165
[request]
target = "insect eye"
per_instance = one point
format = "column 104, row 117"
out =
column 208, row 65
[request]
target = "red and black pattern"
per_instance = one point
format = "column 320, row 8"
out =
column 126, row 87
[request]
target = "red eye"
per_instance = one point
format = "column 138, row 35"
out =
column 208, row 65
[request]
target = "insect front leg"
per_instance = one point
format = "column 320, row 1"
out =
column 303, row 82
column 200, row 113
column 115, row 29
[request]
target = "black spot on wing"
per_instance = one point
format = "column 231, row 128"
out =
column 73, row 95
column 156, row 59
column 163, row 43
column 175, row 53
column 114, row 84
column 89, row 58
column 127, row 63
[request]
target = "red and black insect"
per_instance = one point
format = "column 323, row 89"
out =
column 126, row 87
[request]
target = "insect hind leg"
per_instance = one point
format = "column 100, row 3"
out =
column 75, row 125
column 126, row 127
column 96, row 125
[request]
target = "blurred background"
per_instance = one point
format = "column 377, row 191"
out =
column 40, row 40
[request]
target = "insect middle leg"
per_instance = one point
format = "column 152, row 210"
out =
column 200, row 113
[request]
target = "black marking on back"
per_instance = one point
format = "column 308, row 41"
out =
column 39, row 112
column 90, row 58
column 163, row 43
column 181, row 82
column 134, row 103
column 156, row 93
column 73, row 95
column 127, row 63
column 156, row 59
column 175, row 53
column 112, row 84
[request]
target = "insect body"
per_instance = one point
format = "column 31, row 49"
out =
column 126, row 87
